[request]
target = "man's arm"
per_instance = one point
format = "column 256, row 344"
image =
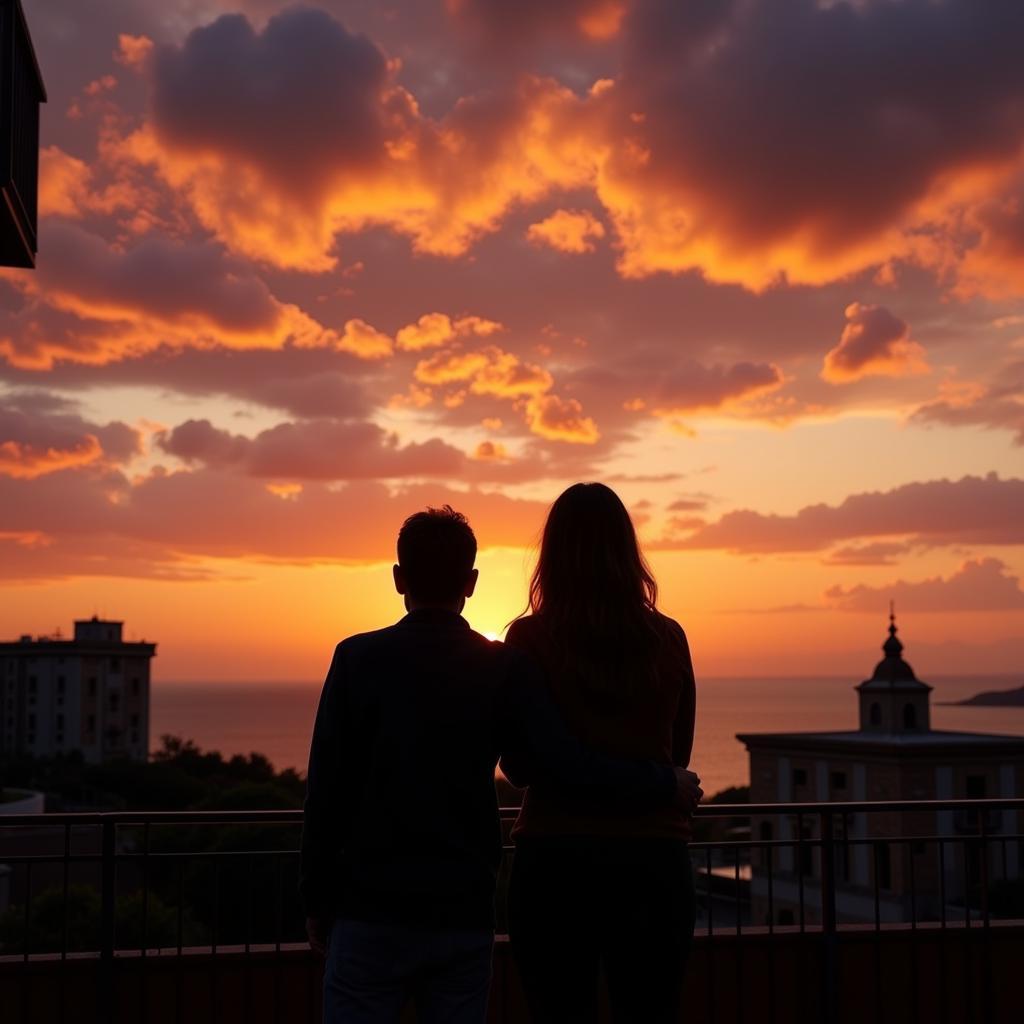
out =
column 536, row 745
column 323, row 820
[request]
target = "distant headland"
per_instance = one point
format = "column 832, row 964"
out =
column 995, row 699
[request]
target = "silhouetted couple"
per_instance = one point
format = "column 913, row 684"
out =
column 589, row 704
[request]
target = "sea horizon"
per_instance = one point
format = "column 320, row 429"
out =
column 275, row 718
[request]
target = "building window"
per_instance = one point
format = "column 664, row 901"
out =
column 32, row 722
column 786, row 917
column 90, row 723
column 92, row 687
column 909, row 716
column 115, row 664
column 60, row 684
column 60, row 723
column 766, row 831
column 135, row 687
column 976, row 787
column 135, row 721
column 799, row 777
column 875, row 714
column 115, row 701
column 32, row 684
column 838, row 780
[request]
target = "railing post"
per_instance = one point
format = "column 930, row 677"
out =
column 830, row 953
column 108, row 905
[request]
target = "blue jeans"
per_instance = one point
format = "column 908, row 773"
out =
column 373, row 970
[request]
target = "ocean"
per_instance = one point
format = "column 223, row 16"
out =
column 275, row 719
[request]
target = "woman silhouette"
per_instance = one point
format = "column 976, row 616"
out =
column 593, row 886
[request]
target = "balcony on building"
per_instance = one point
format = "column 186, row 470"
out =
column 21, row 93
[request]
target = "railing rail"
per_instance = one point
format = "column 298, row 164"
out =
column 828, row 881
column 704, row 811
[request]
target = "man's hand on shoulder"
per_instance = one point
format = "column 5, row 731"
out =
column 688, row 791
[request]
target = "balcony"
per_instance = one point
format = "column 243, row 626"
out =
column 193, row 916
column 21, row 93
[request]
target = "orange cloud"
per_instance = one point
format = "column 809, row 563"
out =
column 602, row 20
column 373, row 158
column 490, row 450
column 488, row 371
column 691, row 386
column 312, row 450
column 42, row 434
column 994, row 265
column 67, row 188
column 560, row 419
column 430, row 331
column 133, row 51
column 450, row 367
column 156, row 293
column 363, row 340
column 969, row 403
column 433, row 330
column 666, row 147
column 26, row 463
column 507, row 376
column 983, row 584
column 971, row 510
column 478, row 325
column 500, row 374
column 152, row 529
column 683, row 136
column 285, row 492
column 525, row 21
column 567, row 231
column 873, row 343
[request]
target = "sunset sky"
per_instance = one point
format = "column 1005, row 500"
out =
column 757, row 264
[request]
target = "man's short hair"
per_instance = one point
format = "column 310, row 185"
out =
column 436, row 550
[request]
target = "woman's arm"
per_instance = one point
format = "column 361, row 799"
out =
column 682, row 729
column 516, row 764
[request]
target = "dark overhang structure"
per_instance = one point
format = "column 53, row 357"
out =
column 21, row 93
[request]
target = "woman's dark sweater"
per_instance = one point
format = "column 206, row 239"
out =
column 653, row 721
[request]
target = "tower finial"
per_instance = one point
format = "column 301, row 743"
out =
column 892, row 645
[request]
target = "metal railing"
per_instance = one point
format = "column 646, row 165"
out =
column 127, row 886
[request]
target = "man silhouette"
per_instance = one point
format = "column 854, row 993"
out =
column 401, row 838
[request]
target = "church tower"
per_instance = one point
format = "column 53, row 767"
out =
column 894, row 700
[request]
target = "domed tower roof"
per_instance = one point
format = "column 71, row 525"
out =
column 892, row 672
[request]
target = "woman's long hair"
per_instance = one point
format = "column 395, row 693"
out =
column 594, row 592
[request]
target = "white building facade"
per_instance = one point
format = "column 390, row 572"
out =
column 893, row 755
column 88, row 694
